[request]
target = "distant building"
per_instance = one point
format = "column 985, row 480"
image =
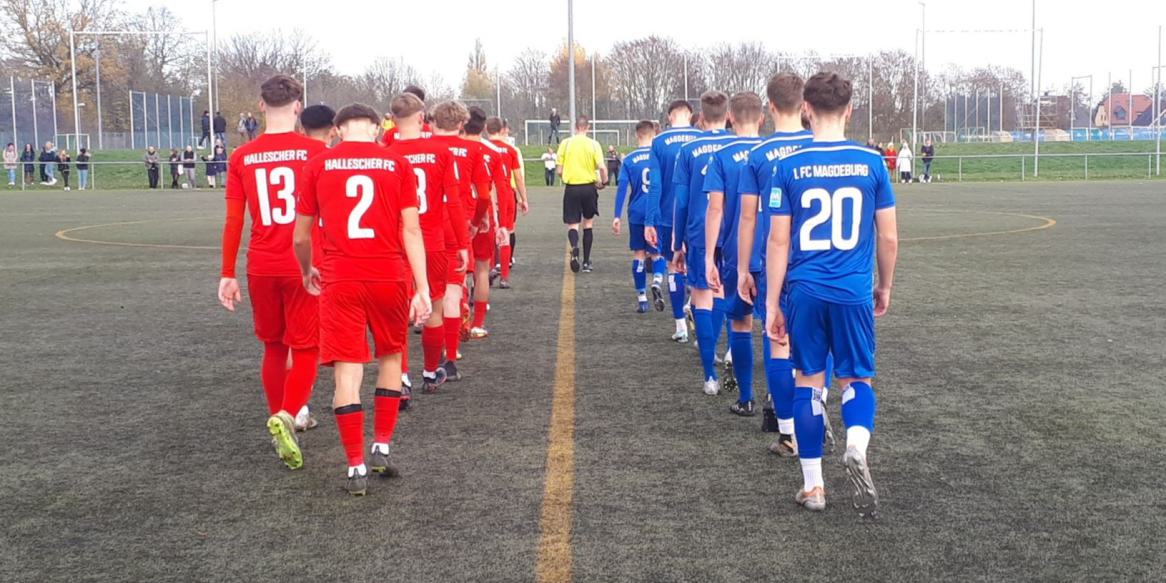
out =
column 1120, row 109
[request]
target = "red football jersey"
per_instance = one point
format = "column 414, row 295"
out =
column 359, row 190
column 437, row 180
column 390, row 137
column 263, row 173
column 498, row 176
column 473, row 170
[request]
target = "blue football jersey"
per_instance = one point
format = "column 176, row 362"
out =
column 633, row 185
column 661, row 193
column 831, row 191
column 724, row 175
column 692, row 203
column 762, row 161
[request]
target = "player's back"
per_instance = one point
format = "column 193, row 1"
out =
column 498, row 160
column 763, row 161
column 263, row 172
column 729, row 164
column 691, row 167
column 665, row 147
column 831, row 190
column 358, row 189
column 635, row 167
column 436, row 176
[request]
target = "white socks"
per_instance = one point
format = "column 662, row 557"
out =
column 812, row 474
column 681, row 326
column 380, row 447
column 354, row 470
column 858, row 437
column 642, row 297
column 786, row 426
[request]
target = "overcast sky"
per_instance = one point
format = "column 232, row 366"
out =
column 1096, row 38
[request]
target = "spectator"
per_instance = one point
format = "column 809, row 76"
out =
column 28, row 156
column 550, row 161
column 175, row 167
column 151, row 160
column 928, row 158
column 241, row 128
column 216, row 167
column 189, row 166
column 904, row 162
column 252, row 127
column 555, row 122
column 83, row 169
column 65, row 162
column 613, row 163
column 205, row 123
column 891, row 157
column 220, row 124
column 10, row 159
column 873, row 146
column 48, row 165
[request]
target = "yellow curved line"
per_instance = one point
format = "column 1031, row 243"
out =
column 64, row 235
column 1047, row 224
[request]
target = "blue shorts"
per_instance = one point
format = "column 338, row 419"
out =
column 818, row 328
column 695, row 264
column 738, row 308
column 636, row 241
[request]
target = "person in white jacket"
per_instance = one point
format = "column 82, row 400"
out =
column 903, row 163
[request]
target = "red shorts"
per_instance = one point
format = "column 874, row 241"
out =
column 455, row 274
column 484, row 245
column 507, row 212
column 283, row 311
column 436, row 272
column 349, row 309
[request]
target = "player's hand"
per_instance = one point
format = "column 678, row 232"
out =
column 678, row 262
column 312, row 281
column 525, row 206
column 713, row 276
column 650, row 236
column 420, row 308
column 229, row 293
column 600, row 185
column 463, row 256
column 746, row 287
column 882, row 301
column 501, row 237
column 775, row 327
column 615, row 226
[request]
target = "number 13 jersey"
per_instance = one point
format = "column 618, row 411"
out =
column 263, row 174
column 358, row 190
column 831, row 191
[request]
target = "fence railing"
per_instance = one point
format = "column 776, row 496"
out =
column 1083, row 166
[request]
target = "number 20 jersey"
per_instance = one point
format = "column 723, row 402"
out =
column 831, row 191
column 263, row 173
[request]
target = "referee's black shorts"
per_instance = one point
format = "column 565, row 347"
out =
column 580, row 201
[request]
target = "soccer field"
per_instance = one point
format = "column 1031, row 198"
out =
column 1019, row 434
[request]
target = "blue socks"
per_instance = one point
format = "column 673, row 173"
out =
column 639, row 278
column 706, row 341
column 858, row 406
column 808, row 423
column 779, row 376
column 676, row 294
column 659, row 269
column 741, row 346
column 719, row 320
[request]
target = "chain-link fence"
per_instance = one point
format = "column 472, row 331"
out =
column 27, row 111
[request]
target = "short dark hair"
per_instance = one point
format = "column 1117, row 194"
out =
column 477, row 121
column 714, row 105
column 415, row 90
column 317, row 117
column 645, row 127
column 582, row 121
column 280, row 90
column 785, row 92
column 746, row 107
column 679, row 104
column 494, row 125
column 827, row 93
column 356, row 111
column 405, row 105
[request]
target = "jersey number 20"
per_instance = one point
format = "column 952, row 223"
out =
column 832, row 209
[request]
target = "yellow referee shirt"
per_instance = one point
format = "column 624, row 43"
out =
column 580, row 157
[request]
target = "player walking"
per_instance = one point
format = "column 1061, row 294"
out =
column 367, row 199
column 262, row 180
column 484, row 228
column 833, row 217
column 633, row 187
column 658, row 215
column 512, row 199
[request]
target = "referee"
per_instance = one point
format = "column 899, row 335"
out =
column 579, row 159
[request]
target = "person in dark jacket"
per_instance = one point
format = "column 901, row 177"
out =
column 190, row 167
column 205, row 122
column 28, row 156
column 83, row 169
column 252, row 125
column 220, row 166
column 613, row 163
column 554, row 120
column 928, row 158
column 175, row 167
column 151, row 161
column 48, row 165
column 65, row 165
column 220, row 128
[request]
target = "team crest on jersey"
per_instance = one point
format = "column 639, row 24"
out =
column 775, row 198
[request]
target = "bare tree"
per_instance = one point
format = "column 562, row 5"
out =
column 645, row 73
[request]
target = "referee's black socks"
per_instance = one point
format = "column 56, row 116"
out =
column 573, row 238
column 588, row 236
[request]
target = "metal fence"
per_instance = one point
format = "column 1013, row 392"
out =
column 159, row 120
column 27, row 111
column 1005, row 167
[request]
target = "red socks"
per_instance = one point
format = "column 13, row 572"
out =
column 350, row 421
column 431, row 341
column 297, row 389
column 387, row 405
column 480, row 313
column 274, row 374
column 506, row 254
column 453, row 330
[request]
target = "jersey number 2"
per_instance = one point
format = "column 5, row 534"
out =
column 832, row 209
column 360, row 187
column 284, row 178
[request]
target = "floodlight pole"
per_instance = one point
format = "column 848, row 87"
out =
column 100, row 127
column 1157, row 104
column 593, row 108
column 870, row 99
column 210, row 94
column 12, row 90
column 35, row 127
column 919, row 36
column 571, row 58
column 1036, row 130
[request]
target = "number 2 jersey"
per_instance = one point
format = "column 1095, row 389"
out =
column 359, row 189
column 831, row 191
column 263, row 173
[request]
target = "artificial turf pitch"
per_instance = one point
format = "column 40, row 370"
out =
column 1019, row 434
